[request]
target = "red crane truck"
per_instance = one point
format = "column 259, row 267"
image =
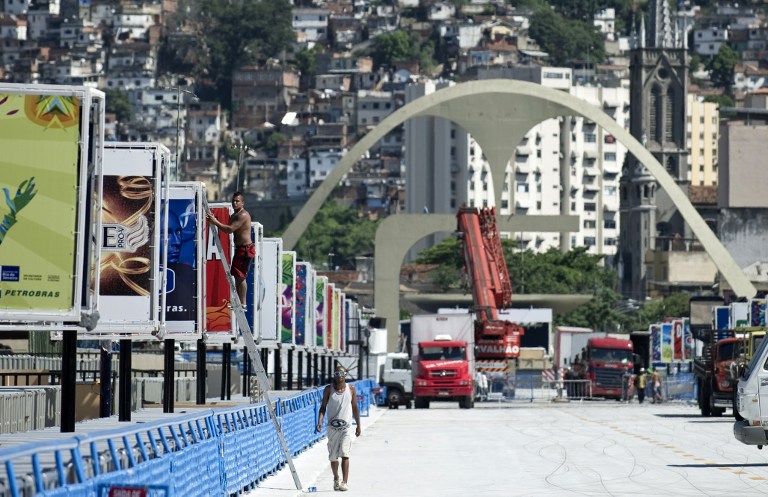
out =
column 496, row 340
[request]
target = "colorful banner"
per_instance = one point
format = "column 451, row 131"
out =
column 655, row 330
column 130, row 241
column 329, row 315
column 336, row 321
column 218, row 313
column 757, row 312
column 689, row 348
column 320, row 309
column 739, row 314
column 40, row 178
column 184, row 232
column 301, row 302
column 270, row 314
column 722, row 316
column 252, row 303
column 666, row 342
column 288, row 292
column 678, row 340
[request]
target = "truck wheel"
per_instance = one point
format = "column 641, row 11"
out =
column 393, row 398
column 705, row 395
column 736, row 414
column 420, row 403
column 466, row 402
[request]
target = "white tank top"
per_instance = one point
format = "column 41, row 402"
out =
column 340, row 408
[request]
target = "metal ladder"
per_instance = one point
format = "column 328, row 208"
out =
column 250, row 344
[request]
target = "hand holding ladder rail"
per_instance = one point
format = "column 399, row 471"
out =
column 250, row 345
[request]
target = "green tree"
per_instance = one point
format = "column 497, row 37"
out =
column 721, row 100
column 117, row 102
column 241, row 33
column 446, row 253
column 392, row 46
column 721, row 67
column 274, row 141
column 566, row 40
column 583, row 10
column 599, row 313
column 306, row 62
column 336, row 230
column 655, row 311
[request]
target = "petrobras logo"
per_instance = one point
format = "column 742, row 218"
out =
column 116, row 237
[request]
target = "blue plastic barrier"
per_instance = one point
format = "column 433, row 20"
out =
column 213, row 452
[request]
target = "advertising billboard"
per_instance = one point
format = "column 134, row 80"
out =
column 655, row 330
column 757, row 312
column 288, row 294
column 52, row 140
column 272, row 265
column 329, row 289
column 678, row 340
column 335, row 319
column 666, row 342
column 321, row 292
column 130, row 257
column 219, row 319
column 185, row 257
column 255, row 292
column 302, row 277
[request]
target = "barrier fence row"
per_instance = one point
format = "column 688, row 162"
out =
column 213, row 452
column 537, row 387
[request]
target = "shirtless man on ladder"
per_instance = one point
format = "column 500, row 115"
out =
column 240, row 226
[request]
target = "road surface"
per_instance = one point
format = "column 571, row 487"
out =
column 570, row 449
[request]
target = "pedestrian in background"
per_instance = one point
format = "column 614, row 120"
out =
column 656, row 386
column 641, row 382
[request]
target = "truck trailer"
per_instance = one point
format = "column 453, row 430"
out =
column 443, row 359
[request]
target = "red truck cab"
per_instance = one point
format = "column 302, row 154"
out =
column 443, row 372
column 606, row 361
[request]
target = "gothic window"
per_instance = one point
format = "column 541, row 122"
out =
column 654, row 116
column 669, row 105
column 672, row 166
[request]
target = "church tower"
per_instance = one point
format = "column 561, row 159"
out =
column 658, row 92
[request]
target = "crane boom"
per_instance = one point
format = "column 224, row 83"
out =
column 491, row 284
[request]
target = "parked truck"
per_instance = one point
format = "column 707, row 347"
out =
column 714, row 370
column 396, row 378
column 603, row 360
column 442, row 358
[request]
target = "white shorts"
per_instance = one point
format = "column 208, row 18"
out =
column 339, row 443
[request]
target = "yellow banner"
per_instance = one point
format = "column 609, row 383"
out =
column 39, row 136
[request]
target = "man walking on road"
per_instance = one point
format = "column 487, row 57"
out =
column 340, row 400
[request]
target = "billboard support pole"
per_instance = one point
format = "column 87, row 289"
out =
column 169, row 375
column 124, row 378
column 201, row 372
column 250, row 345
column 299, row 372
column 68, row 379
column 105, row 374
column 290, row 370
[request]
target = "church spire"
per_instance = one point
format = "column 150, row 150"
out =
column 661, row 27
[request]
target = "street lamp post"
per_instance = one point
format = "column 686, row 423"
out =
column 179, row 91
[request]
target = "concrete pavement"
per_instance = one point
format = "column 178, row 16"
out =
column 586, row 449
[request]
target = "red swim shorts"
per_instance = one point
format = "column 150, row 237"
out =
column 241, row 263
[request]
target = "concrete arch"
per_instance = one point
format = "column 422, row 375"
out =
column 498, row 113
